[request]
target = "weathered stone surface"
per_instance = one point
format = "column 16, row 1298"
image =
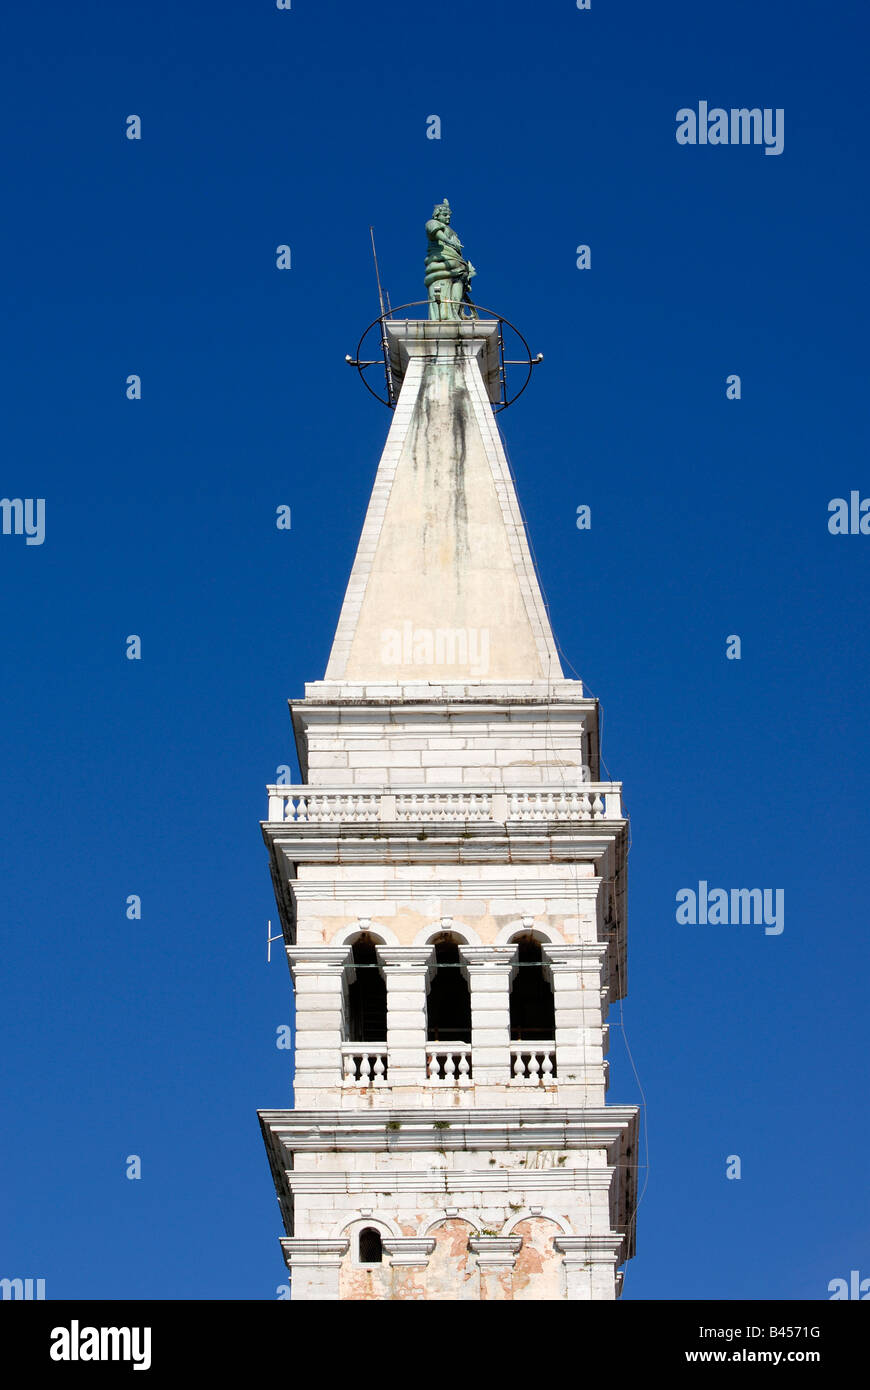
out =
column 443, row 587
column 463, row 801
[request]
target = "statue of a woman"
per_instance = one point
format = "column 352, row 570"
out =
column 448, row 275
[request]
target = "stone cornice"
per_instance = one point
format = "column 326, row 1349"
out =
column 323, row 699
column 582, row 889
column 407, row 959
column 406, row 1131
column 489, row 958
column 315, row 960
column 447, row 1180
column 302, row 1251
column 594, row 1249
column 559, row 956
column 495, row 1252
column 408, row 1250
column 465, row 842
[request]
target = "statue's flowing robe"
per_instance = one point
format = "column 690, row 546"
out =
column 445, row 262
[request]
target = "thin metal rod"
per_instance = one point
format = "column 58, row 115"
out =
column 385, row 347
column 269, row 940
column 377, row 271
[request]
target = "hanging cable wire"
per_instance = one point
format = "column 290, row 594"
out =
column 562, row 765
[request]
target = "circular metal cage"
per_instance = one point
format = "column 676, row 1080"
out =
column 510, row 388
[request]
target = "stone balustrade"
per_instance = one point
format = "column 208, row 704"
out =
column 443, row 805
column 588, row 801
column 364, row 1064
column 449, row 1063
column 533, row 1062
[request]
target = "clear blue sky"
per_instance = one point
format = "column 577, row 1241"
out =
column 709, row 518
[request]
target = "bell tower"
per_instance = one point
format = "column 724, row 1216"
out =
column 450, row 876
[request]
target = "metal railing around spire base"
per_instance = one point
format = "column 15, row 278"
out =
column 507, row 395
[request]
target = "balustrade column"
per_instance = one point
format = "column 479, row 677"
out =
column 407, row 970
column 318, row 979
column 575, row 973
column 490, row 970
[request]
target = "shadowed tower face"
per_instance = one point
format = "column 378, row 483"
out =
column 450, row 876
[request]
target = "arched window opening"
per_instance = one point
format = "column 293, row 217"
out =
column 371, row 1247
column 366, row 996
column 449, row 1004
column 533, row 1015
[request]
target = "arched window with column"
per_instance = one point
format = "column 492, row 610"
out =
column 366, row 995
column 533, row 1013
column 448, row 1010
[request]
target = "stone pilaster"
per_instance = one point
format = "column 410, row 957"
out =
column 590, row 1265
column 496, row 1257
column 318, row 978
column 314, row 1267
column 575, row 973
column 407, row 970
column 490, row 971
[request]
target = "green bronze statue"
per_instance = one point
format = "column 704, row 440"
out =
column 448, row 275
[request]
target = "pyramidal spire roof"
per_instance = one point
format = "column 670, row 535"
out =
column 443, row 586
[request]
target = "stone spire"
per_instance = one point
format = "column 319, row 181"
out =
column 443, row 585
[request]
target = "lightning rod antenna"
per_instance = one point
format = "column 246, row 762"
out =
column 269, row 940
column 388, row 375
column 377, row 272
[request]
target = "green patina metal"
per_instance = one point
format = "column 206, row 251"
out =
column 448, row 274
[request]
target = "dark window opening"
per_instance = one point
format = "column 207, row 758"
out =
column 533, row 1015
column 371, row 1249
column 367, row 996
column 449, row 1004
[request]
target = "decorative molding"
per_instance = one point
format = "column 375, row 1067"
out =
column 362, row 1217
column 361, row 844
column 326, row 702
column 317, row 960
column 471, row 1218
column 519, row 1128
column 490, row 959
column 381, row 934
column 495, row 1252
column 434, row 889
column 406, row 959
column 467, row 935
column 306, row 1252
column 541, row 931
column 533, row 1214
column 590, row 1249
column 408, row 1250
column 584, row 955
column 449, row 1180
